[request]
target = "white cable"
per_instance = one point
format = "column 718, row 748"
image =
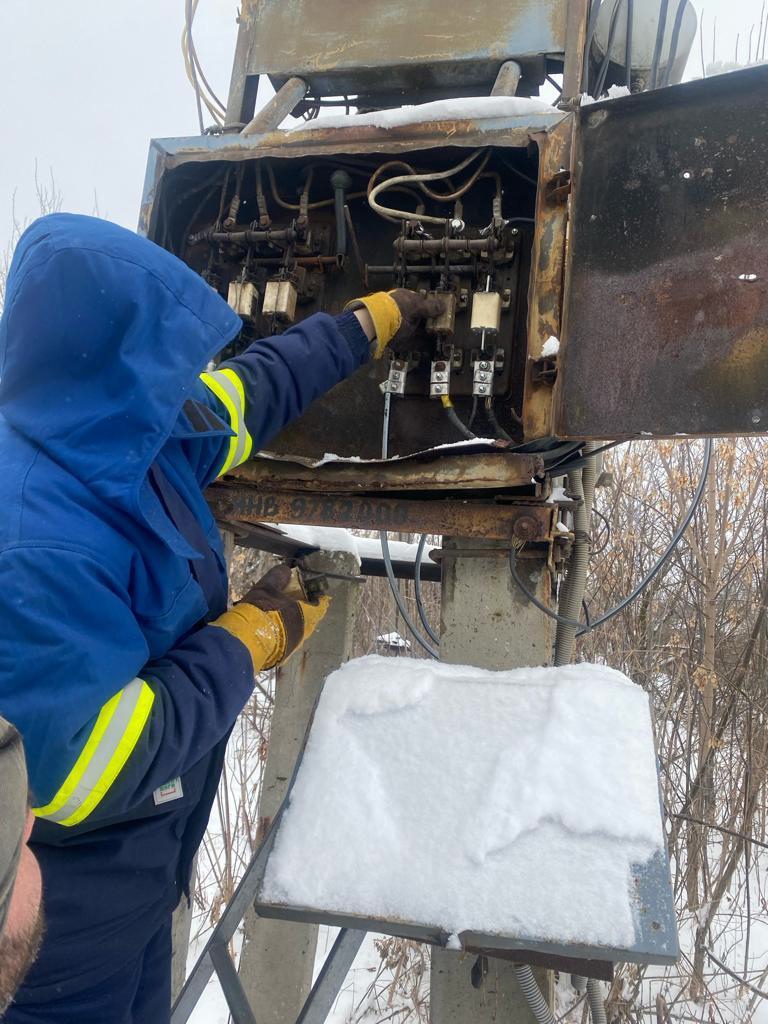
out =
column 414, row 179
column 204, row 94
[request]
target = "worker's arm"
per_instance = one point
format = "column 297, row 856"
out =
column 276, row 379
column 105, row 726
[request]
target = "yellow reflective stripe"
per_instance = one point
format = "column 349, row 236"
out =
column 111, row 742
column 227, row 372
column 210, row 382
column 228, row 388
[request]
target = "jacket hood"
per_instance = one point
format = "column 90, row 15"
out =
column 102, row 337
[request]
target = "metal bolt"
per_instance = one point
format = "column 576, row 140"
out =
column 525, row 528
column 481, row 389
column 485, row 366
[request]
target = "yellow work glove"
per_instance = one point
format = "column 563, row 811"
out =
column 395, row 315
column 274, row 618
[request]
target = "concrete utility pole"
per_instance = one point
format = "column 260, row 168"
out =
column 278, row 956
column 487, row 622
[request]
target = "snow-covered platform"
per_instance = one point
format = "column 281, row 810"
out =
column 497, row 810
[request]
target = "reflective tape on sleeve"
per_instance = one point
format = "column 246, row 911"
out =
column 111, row 742
column 228, row 388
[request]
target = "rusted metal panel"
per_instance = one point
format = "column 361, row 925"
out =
column 232, row 502
column 666, row 328
column 548, row 264
column 340, row 47
column 357, row 139
column 465, row 472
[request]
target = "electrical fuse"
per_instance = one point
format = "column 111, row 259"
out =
column 486, row 312
column 243, row 297
column 482, row 378
column 445, row 322
column 439, row 378
column 280, row 299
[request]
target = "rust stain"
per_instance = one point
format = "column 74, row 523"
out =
column 547, row 275
column 491, row 520
column 474, row 472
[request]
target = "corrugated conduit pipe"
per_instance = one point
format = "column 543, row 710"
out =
column 530, row 989
column 596, row 1002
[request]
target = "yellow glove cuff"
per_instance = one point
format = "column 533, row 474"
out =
column 263, row 633
column 313, row 614
column 386, row 317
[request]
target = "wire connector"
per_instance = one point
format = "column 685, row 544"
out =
column 482, row 378
column 440, row 378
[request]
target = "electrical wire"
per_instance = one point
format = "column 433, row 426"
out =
column 629, row 40
column 659, row 45
column 298, row 206
column 417, row 179
column 204, row 94
column 647, row 579
column 564, row 464
column 453, row 416
column 675, row 43
column 384, row 538
column 603, row 74
column 438, row 197
column 433, row 636
column 499, row 431
column 591, row 29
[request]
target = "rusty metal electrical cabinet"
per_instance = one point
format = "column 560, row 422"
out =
column 486, row 261
column 622, row 243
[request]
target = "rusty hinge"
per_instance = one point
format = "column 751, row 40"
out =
column 558, row 188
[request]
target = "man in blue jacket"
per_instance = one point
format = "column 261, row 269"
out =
column 119, row 662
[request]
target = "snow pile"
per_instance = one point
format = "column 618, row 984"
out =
column 550, row 348
column 470, row 108
column 615, row 92
column 334, row 538
column 393, row 640
column 503, row 802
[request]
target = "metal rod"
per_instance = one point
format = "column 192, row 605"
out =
column 508, row 79
column 331, row 977
column 246, row 237
column 226, row 927
column 426, row 269
column 441, row 245
column 231, row 986
column 279, row 107
column 363, row 270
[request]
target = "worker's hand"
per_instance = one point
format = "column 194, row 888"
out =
column 395, row 316
column 274, row 618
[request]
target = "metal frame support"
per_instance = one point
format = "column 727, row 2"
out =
column 507, row 79
column 279, row 107
column 487, row 622
column 331, row 977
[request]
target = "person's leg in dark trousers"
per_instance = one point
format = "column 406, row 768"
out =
column 152, row 1002
column 139, row 993
column 108, row 1002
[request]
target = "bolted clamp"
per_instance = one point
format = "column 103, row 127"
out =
column 482, row 378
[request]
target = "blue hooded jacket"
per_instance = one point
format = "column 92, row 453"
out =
column 111, row 568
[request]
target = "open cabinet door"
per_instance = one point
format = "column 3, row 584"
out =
column 665, row 327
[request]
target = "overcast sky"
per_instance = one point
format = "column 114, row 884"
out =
column 87, row 83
